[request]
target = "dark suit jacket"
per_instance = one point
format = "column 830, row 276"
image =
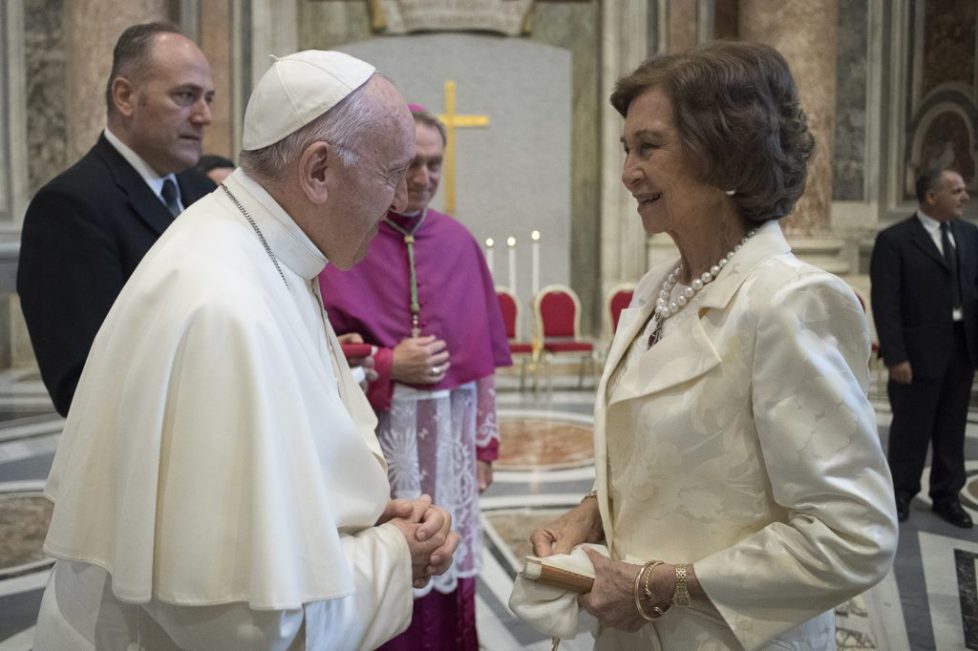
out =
column 911, row 295
column 84, row 233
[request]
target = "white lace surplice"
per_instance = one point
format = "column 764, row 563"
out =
column 429, row 439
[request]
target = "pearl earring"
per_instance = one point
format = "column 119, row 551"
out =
column 730, row 193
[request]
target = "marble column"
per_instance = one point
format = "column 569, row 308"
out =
column 624, row 45
column 216, row 39
column 681, row 24
column 805, row 32
column 92, row 28
column 274, row 31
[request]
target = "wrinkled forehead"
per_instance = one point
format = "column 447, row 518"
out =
column 391, row 144
column 652, row 109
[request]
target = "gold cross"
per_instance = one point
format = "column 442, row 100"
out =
column 453, row 120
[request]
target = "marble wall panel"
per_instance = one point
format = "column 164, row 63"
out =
column 943, row 114
column 512, row 176
column 326, row 25
column 47, row 131
column 849, row 156
column 570, row 25
column 574, row 26
column 949, row 43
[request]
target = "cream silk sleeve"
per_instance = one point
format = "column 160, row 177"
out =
column 818, row 438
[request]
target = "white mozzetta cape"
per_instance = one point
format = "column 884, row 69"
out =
column 743, row 443
column 217, row 450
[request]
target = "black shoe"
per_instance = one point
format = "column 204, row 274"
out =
column 903, row 508
column 953, row 512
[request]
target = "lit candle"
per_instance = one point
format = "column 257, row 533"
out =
column 511, row 243
column 535, row 252
column 489, row 256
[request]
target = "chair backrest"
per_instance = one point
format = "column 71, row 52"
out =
column 619, row 298
column 558, row 311
column 510, row 308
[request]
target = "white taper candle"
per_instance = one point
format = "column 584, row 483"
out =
column 535, row 253
column 511, row 243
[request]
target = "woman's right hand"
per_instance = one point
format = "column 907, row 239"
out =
column 581, row 524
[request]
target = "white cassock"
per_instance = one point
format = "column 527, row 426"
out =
column 218, row 479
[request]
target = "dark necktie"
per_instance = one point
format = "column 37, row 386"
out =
column 951, row 259
column 170, row 198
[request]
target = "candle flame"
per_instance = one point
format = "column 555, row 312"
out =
column 535, row 236
column 511, row 241
column 490, row 243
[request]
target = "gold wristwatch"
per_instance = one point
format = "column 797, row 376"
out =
column 680, row 596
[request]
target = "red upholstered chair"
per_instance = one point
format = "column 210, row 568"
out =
column 558, row 322
column 618, row 299
column 522, row 350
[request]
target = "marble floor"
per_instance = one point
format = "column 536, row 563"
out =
column 928, row 602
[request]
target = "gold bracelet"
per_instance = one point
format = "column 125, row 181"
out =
column 646, row 571
column 680, row 596
column 658, row 611
column 590, row 494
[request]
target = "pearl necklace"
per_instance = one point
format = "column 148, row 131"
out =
column 666, row 308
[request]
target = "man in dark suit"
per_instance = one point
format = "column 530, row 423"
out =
column 924, row 274
column 86, row 230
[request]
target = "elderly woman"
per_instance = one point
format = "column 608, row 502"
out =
column 740, row 485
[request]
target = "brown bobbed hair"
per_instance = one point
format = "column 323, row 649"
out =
column 736, row 109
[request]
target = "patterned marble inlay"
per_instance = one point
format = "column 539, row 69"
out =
column 24, row 523
column 514, row 526
column 529, row 443
column 852, row 629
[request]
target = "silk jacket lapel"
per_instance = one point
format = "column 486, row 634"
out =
column 676, row 359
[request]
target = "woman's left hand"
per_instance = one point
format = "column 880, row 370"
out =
column 611, row 599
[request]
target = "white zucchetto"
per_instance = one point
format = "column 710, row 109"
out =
column 296, row 90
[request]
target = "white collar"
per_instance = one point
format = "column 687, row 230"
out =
column 153, row 180
column 932, row 225
column 287, row 241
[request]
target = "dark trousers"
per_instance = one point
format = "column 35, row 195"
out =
column 931, row 411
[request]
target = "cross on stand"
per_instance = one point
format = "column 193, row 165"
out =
column 452, row 121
